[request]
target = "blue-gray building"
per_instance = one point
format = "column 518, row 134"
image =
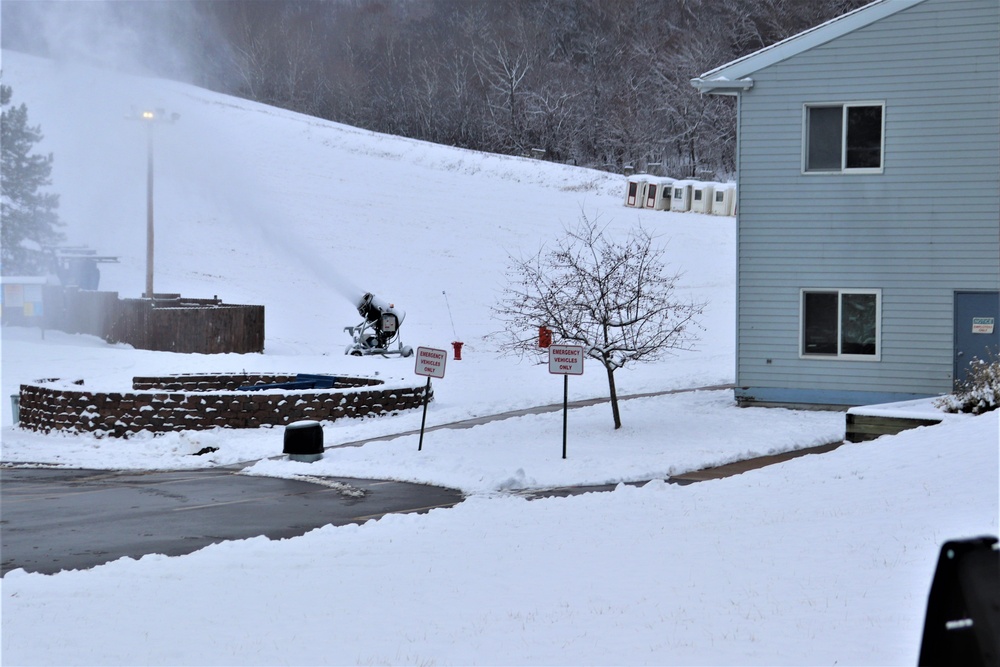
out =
column 868, row 204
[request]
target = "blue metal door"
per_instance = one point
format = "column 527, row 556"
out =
column 977, row 329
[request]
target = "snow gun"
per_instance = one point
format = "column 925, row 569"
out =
column 378, row 329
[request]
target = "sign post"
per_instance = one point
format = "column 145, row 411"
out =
column 430, row 362
column 565, row 360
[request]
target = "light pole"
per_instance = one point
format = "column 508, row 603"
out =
column 151, row 118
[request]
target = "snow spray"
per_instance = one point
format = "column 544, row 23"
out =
column 230, row 177
column 307, row 258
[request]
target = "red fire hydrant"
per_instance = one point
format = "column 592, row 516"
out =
column 458, row 350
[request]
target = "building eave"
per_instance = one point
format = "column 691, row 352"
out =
column 722, row 86
column 719, row 80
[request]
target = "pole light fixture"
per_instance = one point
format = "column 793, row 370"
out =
column 151, row 118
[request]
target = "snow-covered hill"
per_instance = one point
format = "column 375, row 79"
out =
column 260, row 205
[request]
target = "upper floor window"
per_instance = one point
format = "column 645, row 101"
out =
column 844, row 137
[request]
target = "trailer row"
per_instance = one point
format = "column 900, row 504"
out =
column 662, row 193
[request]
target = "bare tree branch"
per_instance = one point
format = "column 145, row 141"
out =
column 613, row 297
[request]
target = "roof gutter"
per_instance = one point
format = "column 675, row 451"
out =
column 722, row 86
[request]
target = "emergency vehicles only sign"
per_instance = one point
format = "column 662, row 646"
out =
column 430, row 362
column 566, row 359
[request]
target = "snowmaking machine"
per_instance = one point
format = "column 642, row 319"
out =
column 378, row 329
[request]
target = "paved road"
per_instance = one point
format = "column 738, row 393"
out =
column 73, row 519
column 55, row 519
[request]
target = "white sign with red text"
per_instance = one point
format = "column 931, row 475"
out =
column 566, row 359
column 430, row 362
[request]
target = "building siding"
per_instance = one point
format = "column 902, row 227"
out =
column 927, row 226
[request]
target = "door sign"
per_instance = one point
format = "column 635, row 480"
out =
column 982, row 325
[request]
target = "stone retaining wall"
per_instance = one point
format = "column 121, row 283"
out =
column 198, row 402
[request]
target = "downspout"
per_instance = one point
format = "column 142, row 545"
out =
column 734, row 88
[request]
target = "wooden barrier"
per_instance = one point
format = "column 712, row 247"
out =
column 171, row 324
column 862, row 428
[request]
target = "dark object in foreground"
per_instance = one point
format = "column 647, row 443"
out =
column 304, row 441
column 962, row 626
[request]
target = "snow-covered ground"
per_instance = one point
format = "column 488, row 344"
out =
column 823, row 559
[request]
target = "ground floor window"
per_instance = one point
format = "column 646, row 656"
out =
column 841, row 323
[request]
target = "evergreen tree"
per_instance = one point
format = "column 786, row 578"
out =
column 28, row 213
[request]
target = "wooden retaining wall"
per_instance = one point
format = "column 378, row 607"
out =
column 167, row 323
column 49, row 405
column 862, row 428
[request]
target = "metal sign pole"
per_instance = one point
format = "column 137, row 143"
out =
column 565, row 360
column 423, row 420
column 565, row 409
column 430, row 363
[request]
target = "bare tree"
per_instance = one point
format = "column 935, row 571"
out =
column 614, row 297
column 251, row 48
column 502, row 68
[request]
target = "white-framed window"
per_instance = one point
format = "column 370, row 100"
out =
column 848, row 137
column 841, row 323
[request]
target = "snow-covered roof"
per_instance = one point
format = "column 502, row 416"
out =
column 735, row 76
column 649, row 178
